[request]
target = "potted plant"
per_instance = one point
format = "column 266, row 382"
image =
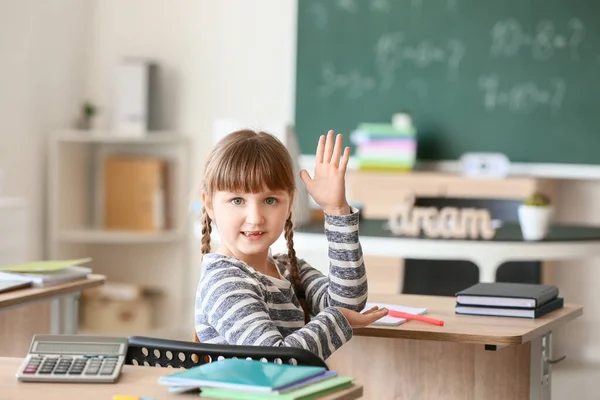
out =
column 535, row 215
column 88, row 112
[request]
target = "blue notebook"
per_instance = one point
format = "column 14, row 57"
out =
column 247, row 375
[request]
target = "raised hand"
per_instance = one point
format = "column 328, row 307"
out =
column 328, row 187
column 359, row 320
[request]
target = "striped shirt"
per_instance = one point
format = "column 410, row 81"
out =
column 235, row 304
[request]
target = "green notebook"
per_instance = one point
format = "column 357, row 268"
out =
column 247, row 375
column 318, row 389
column 44, row 266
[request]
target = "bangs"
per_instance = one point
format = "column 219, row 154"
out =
column 251, row 166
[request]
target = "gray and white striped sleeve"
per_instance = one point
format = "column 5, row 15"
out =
column 346, row 285
column 234, row 306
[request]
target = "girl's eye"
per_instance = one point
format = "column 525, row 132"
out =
column 270, row 201
column 237, row 201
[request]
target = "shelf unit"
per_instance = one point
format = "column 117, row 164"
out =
column 157, row 260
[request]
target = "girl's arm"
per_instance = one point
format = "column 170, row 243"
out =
column 347, row 283
column 233, row 304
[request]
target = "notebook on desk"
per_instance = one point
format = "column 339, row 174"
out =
column 393, row 321
column 6, row 285
column 507, row 294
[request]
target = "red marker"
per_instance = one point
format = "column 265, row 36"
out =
column 415, row 317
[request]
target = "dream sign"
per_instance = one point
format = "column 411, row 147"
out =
column 447, row 222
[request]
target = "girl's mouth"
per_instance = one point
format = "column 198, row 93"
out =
column 253, row 235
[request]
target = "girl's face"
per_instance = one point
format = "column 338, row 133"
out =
column 249, row 223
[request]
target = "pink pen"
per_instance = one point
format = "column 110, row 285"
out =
column 415, row 317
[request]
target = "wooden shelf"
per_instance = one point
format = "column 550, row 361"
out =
column 157, row 137
column 123, row 237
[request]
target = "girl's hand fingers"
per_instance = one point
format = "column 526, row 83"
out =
column 320, row 149
column 370, row 310
column 328, row 147
column 374, row 316
column 337, row 150
column 345, row 158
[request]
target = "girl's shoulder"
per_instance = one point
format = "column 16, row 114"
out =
column 282, row 260
column 218, row 264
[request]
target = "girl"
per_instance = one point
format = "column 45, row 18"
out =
column 246, row 296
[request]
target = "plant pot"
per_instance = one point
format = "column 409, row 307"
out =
column 535, row 221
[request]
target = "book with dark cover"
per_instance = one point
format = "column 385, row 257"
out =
column 504, row 294
column 550, row 306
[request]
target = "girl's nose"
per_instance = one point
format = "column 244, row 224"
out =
column 254, row 215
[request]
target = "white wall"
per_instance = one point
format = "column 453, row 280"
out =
column 42, row 57
column 219, row 59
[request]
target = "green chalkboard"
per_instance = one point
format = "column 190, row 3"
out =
column 521, row 77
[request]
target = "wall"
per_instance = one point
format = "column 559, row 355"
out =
column 42, row 51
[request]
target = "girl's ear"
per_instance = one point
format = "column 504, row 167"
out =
column 207, row 201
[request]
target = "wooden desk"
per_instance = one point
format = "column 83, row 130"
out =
column 134, row 381
column 422, row 361
column 15, row 330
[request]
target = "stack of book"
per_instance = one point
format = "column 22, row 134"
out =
column 46, row 273
column 502, row 299
column 386, row 147
column 254, row 380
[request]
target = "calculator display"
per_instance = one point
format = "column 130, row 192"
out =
column 78, row 348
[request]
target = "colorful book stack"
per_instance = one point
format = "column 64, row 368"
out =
column 385, row 147
column 255, row 380
column 503, row 299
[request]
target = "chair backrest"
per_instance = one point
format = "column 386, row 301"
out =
column 177, row 354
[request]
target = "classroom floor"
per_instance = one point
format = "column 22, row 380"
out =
column 574, row 379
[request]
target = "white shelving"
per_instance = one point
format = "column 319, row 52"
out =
column 157, row 137
column 123, row 237
column 158, row 260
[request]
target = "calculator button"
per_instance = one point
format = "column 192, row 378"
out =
column 91, row 371
column 107, row 371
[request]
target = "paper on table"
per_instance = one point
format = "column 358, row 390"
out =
column 393, row 321
column 44, row 266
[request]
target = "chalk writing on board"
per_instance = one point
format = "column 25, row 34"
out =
column 320, row 15
column 509, row 37
column 522, row 97
column 381, row 5
column 353, row 83
column 350, row 6
column 392, row 51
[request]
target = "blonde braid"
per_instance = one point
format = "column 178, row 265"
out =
column 206, row 231
column 293, row 267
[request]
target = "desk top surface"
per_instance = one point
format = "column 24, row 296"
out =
column 134, row 381
column 21, row 296
column 501, row 331
column 508, row 232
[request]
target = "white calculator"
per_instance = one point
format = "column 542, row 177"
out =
column 74, row 358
